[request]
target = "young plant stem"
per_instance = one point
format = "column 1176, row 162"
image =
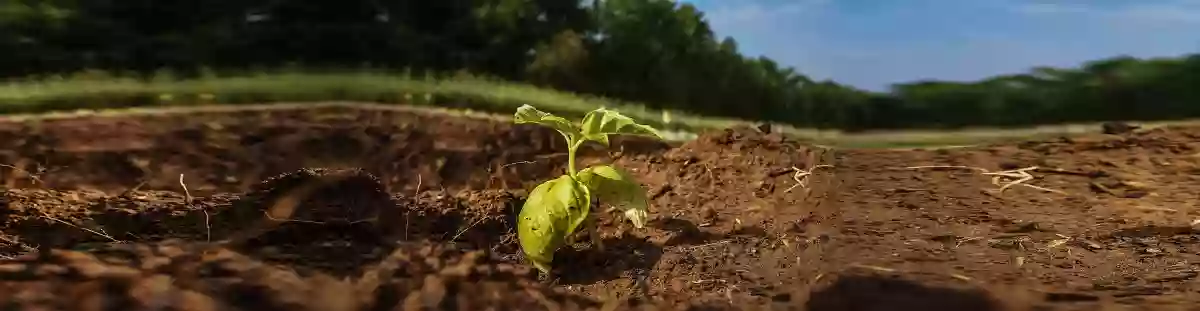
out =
column 575, row 143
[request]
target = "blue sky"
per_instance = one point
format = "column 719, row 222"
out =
column 873, row 43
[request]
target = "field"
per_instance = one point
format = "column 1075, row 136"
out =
column 101, row 91
column 264, row 209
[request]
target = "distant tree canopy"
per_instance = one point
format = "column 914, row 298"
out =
column 658, row 52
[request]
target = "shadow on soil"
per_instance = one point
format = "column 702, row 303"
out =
column 621, row 256
column 686, row 231
column 869, row 292
column 629, row 256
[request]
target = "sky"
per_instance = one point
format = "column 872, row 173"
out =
column 871, row 44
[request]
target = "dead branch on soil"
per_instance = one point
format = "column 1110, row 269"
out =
column 712, row 179
column 943, row 167
column 187, row 196
column 23, row 246
column 1015, row 177
column 464, row 230
column 1062, row 240
column 515, row 163
column 129, row 192
column 1061, row 171
column 98, row 233
column 696, row 247
column 501, row 170
column 1156, row 209
column 9, row 240
column 32, row 176
column 801, row 176
column 419, row 182
column 896, row 271
column 188, row 199
column 874, row 268
column 1105, row 189
column 414, row 197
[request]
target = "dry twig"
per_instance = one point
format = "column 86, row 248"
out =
column 1021, row 176
column 103, row 235
column 801, row 176
column 895, row 271
column 696, row 247
column 1018, row 176
column 875, row 268
column 187, row 196
column 188, row 199
column 1157, row 209
column 414, row 197
column 515, row 163
column 31, row 175
column 982, row 170
column 464, row 230
column 129, row 192
column 23, row 246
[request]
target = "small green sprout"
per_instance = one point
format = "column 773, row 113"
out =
column 558, row 207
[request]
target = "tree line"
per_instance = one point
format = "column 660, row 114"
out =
column 658, row 52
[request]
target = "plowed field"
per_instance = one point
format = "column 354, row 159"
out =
column 342, row 208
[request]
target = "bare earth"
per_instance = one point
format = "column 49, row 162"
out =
column 346, row 209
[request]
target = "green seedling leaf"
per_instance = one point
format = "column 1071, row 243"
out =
column 600, row 123
column 553, row 211
column 528, row 114
column 557, row 208
column 616, row 187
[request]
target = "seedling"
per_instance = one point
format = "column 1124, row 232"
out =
column 558, row 207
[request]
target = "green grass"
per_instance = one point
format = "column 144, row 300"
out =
column 98, row 91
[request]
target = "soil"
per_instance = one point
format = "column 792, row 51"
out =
column 371, row 209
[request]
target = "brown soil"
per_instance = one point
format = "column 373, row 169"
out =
column 378, row 210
